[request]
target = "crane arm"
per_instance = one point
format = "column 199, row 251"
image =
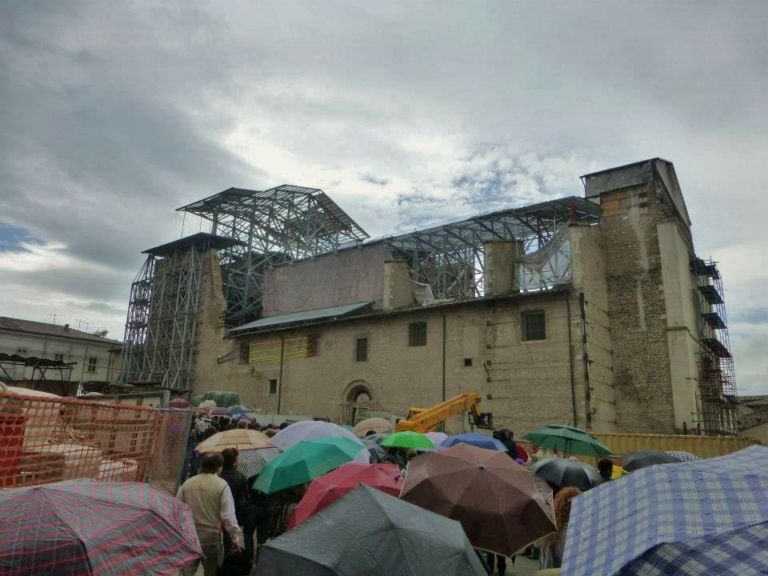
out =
column 426, row 419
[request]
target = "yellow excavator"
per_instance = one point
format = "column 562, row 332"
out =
column 426, row 419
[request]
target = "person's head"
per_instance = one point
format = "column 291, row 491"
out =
column 270, row 432
column 242, row 423
column 230, row 457
column 605, row 468
column 283, row 425
column 212, row 463
column 255, row 426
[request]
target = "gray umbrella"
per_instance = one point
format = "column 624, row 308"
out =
column 562, row 472
column 373, row 442
column 370, row 532
column 642, row 458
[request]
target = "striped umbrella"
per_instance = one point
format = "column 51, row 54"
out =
column 692, row 518
column 83, row 527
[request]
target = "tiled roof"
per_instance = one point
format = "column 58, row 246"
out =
column 45, row 329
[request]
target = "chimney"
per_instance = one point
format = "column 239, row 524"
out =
column 66, row 326
column 501, row 267
column 397, row 285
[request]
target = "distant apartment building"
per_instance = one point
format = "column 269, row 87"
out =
column 54, row 357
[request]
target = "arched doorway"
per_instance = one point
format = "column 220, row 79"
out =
column 358, row 402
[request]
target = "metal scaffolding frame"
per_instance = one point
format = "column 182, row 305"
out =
column 450, row 258
column 272, row 227
column 717, row 379
column 160, row 329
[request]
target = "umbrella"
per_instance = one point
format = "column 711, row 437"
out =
column 252, row 462
column 240, row 438
column 327, row 489
column 568, row 440
column 704, row 517
column 369, row 532
column 642, row 458
column 407, row 440
column 475, row 439
column 563, row 472
column 311, row 429
column 436, row 437
column 178, row 403
column 378, row 425
column 373, row 443
column 237, row 409
column 494, row 498
column 83, row 527
column 682, row 455
column 304, row 462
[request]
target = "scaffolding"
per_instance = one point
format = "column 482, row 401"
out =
column 160, row 329
column 272, row 227
column 450, row 258
column 717, row 380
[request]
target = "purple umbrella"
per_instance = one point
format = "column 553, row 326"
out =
column 474, row 439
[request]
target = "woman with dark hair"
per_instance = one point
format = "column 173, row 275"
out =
column 237, row 564
column 553, row 545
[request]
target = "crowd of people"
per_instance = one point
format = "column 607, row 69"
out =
column 221, row 496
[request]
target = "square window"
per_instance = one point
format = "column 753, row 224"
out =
column 534, row 325
column 467, row 361
column 58, row 357
column 417, row 334
column 361, row 349
column 273, row 386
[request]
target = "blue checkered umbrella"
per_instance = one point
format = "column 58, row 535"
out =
column 693, row 518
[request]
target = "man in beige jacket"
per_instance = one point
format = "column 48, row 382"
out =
column 212, row 506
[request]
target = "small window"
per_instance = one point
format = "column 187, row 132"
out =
column 21, row 351
column 417, row 334
column 273, row 386
column 92, row 364
column 58, row 357
column 245, row 352
column 534, row 325
column 467, row 362
column 361, row 350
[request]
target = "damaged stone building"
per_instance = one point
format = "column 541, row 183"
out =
column 592, row 310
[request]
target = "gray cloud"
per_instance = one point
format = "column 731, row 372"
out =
column 112, row 115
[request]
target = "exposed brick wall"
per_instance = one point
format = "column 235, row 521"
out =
column 637, row 308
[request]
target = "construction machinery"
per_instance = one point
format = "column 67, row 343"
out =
column 426, row 419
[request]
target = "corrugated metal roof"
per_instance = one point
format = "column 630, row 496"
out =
column 304, row 316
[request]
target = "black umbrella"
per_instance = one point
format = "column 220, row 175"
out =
column 562, row 472
column 642, row 458
column 370, row 532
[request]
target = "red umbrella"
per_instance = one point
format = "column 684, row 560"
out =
column 327, row 489
column 179, row 403
column 493, row 497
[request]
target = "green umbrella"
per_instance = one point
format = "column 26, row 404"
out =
column 305, row 461
column 407, row 440
column 567, row 440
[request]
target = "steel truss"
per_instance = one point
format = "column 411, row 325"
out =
column 274, row 226
column 160, row 330
column 450, row 258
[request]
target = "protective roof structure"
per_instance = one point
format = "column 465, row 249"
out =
column 201, row 241
column 304, row 316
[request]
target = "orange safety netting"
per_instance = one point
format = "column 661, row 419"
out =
column 46, row 439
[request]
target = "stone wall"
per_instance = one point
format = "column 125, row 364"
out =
column 637, row 308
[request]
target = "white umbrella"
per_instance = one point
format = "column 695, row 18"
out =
column 311, row 429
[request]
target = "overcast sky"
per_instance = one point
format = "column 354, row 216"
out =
column 113, row 114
